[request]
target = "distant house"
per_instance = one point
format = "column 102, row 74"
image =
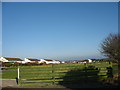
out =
column 62, row 61
column 105, row 60
column 89, row 61
column 49, row 61
column 83, row 61
column 70, row 62
column 30, row 60
column 12, row 60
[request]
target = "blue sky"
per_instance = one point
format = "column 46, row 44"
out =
column 64, row 31
column 1, row 29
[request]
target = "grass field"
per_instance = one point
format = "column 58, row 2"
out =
column 11, row 72
column 54, row 74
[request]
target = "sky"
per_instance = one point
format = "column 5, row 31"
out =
column 60, row 0
column 0, row 29
column 57, row 30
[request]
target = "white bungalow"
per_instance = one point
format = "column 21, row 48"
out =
column 49, row 61
column 30, row 60
column 89, row 61
column 12, row 60
column 62, row 61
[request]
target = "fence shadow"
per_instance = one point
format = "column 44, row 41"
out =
column 85, row 78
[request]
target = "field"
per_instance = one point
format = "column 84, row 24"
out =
column 60, row 74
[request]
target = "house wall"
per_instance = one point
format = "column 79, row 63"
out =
column 48, row 62
column 89, row 60
column 3, row 59
column 26, row 60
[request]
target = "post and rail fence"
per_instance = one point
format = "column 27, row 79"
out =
column 63, row 73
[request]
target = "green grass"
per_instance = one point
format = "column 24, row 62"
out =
column 115, row 68
column 44, row 73
column 9, row 73
column 29, row 71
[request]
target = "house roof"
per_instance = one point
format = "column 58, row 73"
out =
column 33, row 59
column 105, row 59
column 13, row 59
column 48, row 60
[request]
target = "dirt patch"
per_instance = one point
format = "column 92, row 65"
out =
column 9, row 83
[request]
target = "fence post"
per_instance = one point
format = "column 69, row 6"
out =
column 85, row 72
column 18, row 77
column 110, row 70
column 18, row 73
column 53, row 77
column 110, row 64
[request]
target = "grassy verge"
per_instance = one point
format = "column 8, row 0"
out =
column 48, row 74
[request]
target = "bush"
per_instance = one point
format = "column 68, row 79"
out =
column 5, row 64
column 110, row 47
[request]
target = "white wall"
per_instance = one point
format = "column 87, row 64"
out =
column 89, row 60
column 48, row 62
column 26, row 60
column 3, row 59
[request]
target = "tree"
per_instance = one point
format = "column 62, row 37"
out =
column 110, row 47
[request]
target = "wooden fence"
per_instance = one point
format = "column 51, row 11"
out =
column 64, row 73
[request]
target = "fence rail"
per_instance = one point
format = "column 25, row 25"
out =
column 64, row 73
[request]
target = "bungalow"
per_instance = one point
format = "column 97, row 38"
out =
column 62, row 62
column 49, row 61
column 83, row 61
column 30, row 60
column 12, row 60
column 70, row 62
column 89, row 61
